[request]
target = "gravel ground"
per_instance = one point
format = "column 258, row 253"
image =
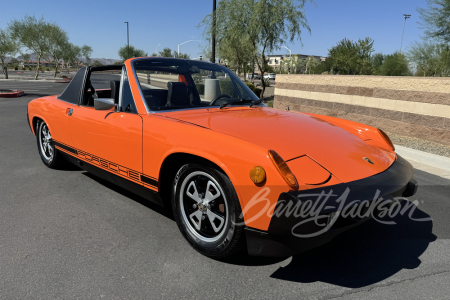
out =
column 420, row 144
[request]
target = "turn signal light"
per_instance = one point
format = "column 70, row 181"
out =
column 284, row 170
column 257, row 175
column 386, row 139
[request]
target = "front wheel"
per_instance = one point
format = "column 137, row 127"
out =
column 207, row 210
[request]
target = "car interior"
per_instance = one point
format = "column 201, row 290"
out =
column 165, row 87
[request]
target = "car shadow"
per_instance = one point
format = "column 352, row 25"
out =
column 141, row 200
column 365, row 255
column 359, row 257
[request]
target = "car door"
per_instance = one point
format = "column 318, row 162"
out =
column 59, row 109
column 110, row 139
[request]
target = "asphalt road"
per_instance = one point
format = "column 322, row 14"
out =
column 70, row 235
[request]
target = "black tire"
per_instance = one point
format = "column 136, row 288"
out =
column 50, row 156
column 202, row 236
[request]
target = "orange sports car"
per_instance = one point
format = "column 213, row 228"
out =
column 192, row 136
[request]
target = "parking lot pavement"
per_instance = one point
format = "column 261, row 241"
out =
column 68, row 234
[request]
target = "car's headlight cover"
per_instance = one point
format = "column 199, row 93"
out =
column 386, row 139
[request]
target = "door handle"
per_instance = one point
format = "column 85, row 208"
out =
column 69, row 111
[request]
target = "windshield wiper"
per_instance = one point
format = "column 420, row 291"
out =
column 255, row 103
column 240, row 101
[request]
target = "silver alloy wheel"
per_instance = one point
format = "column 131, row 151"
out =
column 203, row 206
column 45, row 141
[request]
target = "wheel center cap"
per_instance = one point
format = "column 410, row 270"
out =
column 201, row 207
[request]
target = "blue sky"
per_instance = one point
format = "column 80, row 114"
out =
column 100, row 23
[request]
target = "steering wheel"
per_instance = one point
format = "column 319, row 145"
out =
column 213, row 101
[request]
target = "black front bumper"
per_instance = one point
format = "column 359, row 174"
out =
column 291, row 231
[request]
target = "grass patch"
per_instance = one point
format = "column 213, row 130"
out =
column 269, row 103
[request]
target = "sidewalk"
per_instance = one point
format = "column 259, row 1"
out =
column 427, row 162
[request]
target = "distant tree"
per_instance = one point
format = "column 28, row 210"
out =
column 310, row 63
column 343, row 57
column 377, row 62
column 430, row 58
column 267, row 24
column 235, row 50
column 269, row 69
column 57, row 38
column 127, row 53
column 154, row 54
column 395, row 65
column 79, row 57
column 70, row 53
column 166, row 52
column 364, row 49
column 14, row 62
column 118, row 63
column 32, row 33
column 8, row 47
column 25, row 57
column 435, row 20
column 96, row 63
column 322, row 67
column 86, row 52
column 352, row 58
column 180, row 55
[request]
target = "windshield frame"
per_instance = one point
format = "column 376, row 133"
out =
column 235, row 79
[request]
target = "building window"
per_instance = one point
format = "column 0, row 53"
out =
column 271, row 61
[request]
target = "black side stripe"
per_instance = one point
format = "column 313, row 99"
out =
column 148, row 180
column 110, row 166
column 67, row 148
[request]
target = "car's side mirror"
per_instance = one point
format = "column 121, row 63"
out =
column 103, row 103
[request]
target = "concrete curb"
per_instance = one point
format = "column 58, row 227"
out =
column 433, row 160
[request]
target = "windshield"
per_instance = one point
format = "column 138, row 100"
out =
column 175, row 83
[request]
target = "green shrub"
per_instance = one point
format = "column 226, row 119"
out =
column 47, row 69
column 200, row 88
column 250, row 85
column 267, row 82
column 16, row 68
column 269, row 103
column 253, row 88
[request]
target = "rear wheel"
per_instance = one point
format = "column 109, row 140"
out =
column 207, row 210
column 50, row 156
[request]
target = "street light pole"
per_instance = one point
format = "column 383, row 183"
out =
column 185, row 43
column 128, row 40
column 213, row 47
column 156, row 51
column 406, row 17
column 290, row 57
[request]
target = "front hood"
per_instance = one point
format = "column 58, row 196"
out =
column 292, row 135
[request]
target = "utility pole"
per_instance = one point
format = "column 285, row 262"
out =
column 128, row 40
column 213, row 49
column 406, row 17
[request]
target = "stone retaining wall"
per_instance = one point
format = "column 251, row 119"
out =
column 412, row 106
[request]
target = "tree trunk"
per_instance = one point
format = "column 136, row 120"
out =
column 37, row 67
column 4, row 69
column 263, row 70
column 56, row 69
column 244, row 71
column 253, row 68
